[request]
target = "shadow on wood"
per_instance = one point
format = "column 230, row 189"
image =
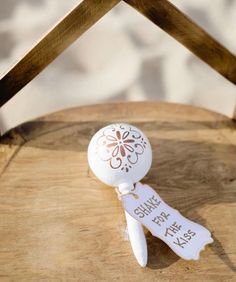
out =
column 193, row 170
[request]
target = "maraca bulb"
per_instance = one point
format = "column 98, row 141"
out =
column 119, row 153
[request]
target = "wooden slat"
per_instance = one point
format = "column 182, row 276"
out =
column 175, row 23
column 161, row 12
column 49, row 47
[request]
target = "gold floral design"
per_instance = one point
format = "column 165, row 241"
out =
column 120, row 146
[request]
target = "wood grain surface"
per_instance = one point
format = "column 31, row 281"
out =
column 59, row 223
column 179, row 26
column 80, row 19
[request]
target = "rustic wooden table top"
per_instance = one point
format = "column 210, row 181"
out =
column 59, row 223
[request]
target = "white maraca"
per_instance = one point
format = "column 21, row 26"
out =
column 120, row 155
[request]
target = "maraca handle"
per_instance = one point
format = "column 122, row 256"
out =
column 137, row 239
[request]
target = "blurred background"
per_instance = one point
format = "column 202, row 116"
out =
column 123, row 57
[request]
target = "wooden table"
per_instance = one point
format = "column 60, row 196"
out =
column 59, row 223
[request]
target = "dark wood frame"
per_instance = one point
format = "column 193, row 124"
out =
column 81, row 18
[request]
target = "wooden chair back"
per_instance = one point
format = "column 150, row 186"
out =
column 82, row 17
column 58, row 222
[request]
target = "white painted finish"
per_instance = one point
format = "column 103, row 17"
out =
column 185, row 237
column 120, row 155
column 137, row 239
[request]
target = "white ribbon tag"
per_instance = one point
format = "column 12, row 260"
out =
column 182, row 235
